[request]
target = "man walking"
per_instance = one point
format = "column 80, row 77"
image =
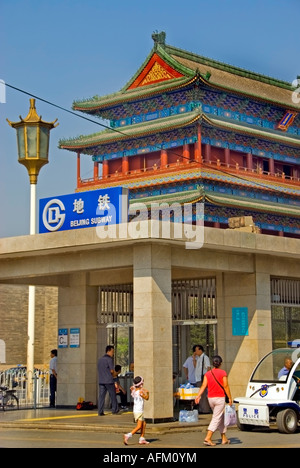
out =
column 106, row 381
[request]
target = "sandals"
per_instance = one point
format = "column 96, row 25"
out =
column 209, row 443
column 227, row 442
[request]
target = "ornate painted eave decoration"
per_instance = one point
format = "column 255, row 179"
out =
column 156, row 70
column 287, row 120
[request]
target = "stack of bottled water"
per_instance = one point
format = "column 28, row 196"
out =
column 188, row 416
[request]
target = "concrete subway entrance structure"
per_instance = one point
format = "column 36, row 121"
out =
column 78, row 262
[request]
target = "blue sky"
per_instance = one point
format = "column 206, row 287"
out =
column 64, row 50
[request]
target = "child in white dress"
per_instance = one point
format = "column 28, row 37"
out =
column 139, row 394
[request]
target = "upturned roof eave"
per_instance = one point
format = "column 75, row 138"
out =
column 170, row 123
column 133, row 131
column 269, row 134
column 234, row 201
column 111, row 100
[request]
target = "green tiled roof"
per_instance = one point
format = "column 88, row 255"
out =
column 212, row 72
column 215, row 198
column 252, row 203
column 109, row 100
column 130, row 131
column 139, row 130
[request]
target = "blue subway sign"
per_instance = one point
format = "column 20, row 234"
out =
column 83, row 209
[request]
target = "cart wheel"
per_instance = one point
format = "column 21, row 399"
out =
column 287, row 421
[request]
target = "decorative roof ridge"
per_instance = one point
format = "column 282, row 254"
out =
column 228, row 67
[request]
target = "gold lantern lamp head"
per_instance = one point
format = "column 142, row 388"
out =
column 33, row 141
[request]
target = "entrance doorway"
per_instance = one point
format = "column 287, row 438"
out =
column 285, row 308
column 194, row 320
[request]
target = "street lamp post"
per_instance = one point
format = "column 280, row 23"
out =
column 33, row 146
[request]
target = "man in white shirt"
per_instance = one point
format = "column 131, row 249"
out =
column 53, row 376
column 189, row 365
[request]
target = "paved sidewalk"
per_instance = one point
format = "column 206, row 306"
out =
column 72, row 419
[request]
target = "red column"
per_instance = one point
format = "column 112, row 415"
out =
column 207, row 153
column 227, row 157
column 249, row 162
column 198, row 155
column 163, row 158
column 271, row 166
column 105, row 169
column 95, row 170
column 78, row 169
column 125, row 165
column 186, row 154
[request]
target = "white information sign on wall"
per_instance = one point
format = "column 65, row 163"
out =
column 74, row 337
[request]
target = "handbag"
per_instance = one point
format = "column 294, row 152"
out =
column 226, row 397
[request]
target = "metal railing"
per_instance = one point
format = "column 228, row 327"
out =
column 31, row 391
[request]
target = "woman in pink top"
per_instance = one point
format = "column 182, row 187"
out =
column 216, row 383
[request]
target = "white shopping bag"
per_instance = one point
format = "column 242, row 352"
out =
column 230, row 415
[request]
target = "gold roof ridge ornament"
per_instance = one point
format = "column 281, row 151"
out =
column 33, row 141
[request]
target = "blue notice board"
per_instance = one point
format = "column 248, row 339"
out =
column 240, row 321
column 62, row 337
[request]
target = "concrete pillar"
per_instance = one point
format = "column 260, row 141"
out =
column 241, row 353
column 153, row 328
column 77, row 367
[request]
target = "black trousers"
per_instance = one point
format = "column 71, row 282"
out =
column 110, row 388
column 123, row 397
column 53, row 386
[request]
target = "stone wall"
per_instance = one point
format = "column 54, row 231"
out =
column 13, row 324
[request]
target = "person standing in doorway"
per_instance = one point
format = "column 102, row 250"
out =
column 202, row 366
column 106, row 381
column 53, row 376
column 189, row 365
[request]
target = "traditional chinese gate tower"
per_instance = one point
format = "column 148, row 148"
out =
column 187, row 128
